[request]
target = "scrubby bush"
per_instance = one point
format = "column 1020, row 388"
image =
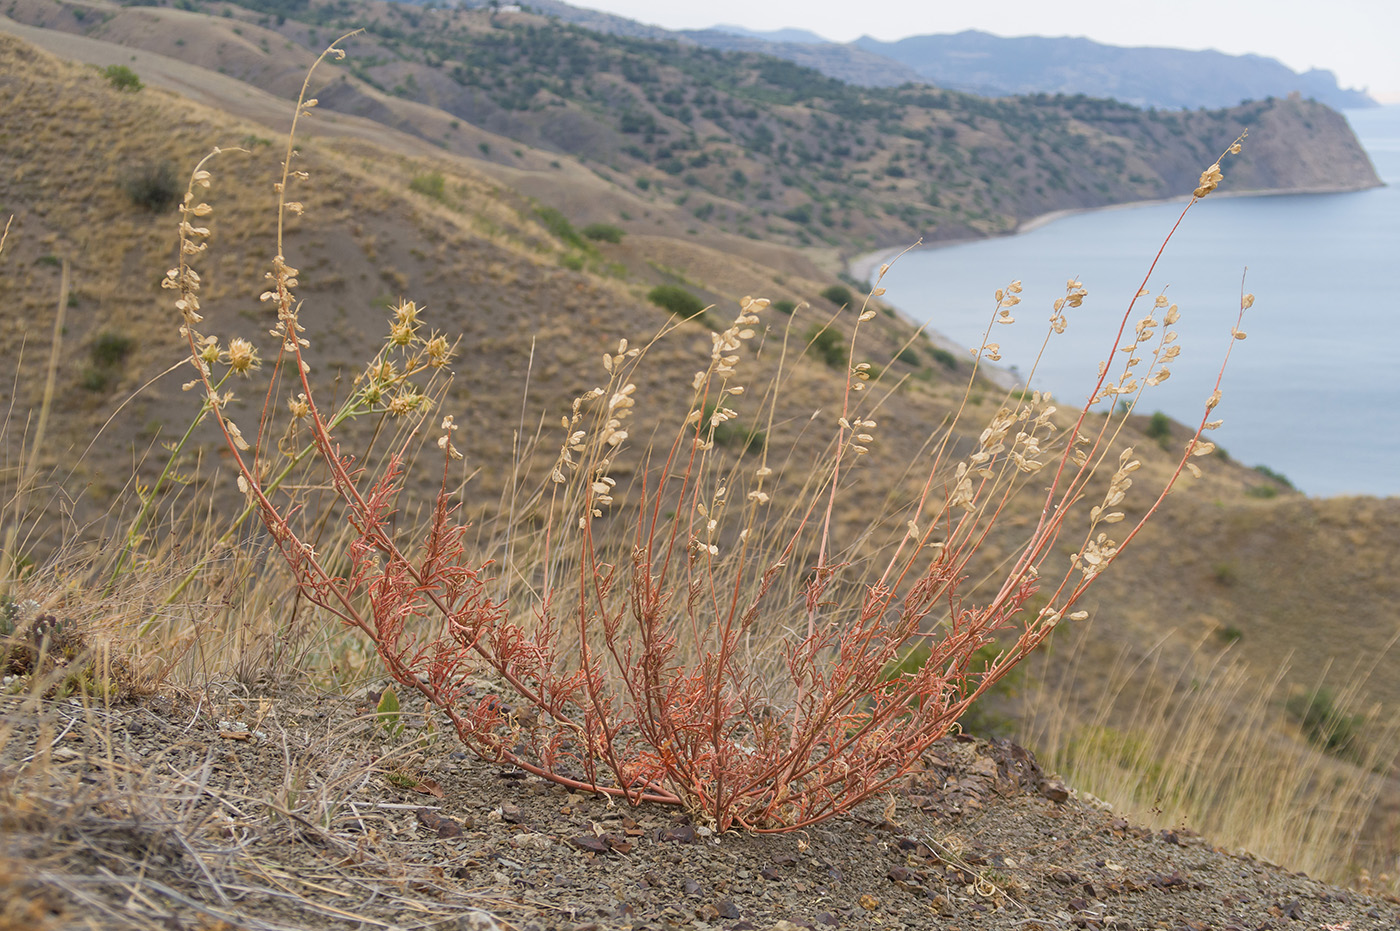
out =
column 122, row 78
column 603, row 232
column 432, row 184
column 944, row 358
column 110, row 349
column 676, row 299
column 559, row 225
column 1324, row 722
column 826, row 344
column 734, row 435
column 152, row 185
column 840, row 295
column 1274, row 476
column 1159, row 428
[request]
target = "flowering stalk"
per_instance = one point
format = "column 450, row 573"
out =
column 626, row 672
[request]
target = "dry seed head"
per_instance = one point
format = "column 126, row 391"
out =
column 438, row 350
column 208, row 352
column 405, row 401
column 445, row 441
column 299, row 407
column 236, row 435
column 240, row 356
column 1210, row 180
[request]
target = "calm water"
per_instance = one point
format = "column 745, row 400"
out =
column 1312, row 393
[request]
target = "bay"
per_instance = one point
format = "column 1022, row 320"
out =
column 1311, row 393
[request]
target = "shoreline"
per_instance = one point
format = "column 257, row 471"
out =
column 865, row 266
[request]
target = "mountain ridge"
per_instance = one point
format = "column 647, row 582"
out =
column 1144, row 76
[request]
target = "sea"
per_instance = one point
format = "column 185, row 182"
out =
column 1311, row 393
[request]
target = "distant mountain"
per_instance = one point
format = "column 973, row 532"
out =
column 991, row 66
column 800, row 36
column 842, row 62
column 981, row 63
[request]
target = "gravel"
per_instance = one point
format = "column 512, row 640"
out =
column 296, row 811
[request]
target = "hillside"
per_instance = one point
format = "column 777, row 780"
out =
column 390, row 215
column 748, row 144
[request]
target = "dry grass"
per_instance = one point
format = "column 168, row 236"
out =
column 1198, row 741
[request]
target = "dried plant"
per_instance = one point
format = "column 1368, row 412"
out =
column 626, row 665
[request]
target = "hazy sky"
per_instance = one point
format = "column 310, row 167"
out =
column 1358, row 40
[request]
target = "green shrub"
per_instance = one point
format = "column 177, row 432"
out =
column 1326, row 725
column 908, row 356
column 561, row 228
column 734, row 435
column 945, row 358
column 153, row 185
column 979, row 719
column 1262, row 491
column 785, row 307
column 676, row 299
column 603, row 232
column 433, row 185
column 122, row 78
column 826, row 344
column 93, row 380
column 840, row 295
column 1159, row 428
column 111, row 349
column 1275, row 476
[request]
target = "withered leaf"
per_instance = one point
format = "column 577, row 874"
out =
column 590, row 843
column 617, row 842
column 681, row 834
column 443, row 827
column 428, row 787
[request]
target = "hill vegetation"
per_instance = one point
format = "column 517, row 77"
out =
column 747, row 143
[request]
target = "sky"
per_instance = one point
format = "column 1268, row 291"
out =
column 1358, row 40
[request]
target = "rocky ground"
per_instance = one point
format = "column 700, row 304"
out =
column 305, row 812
